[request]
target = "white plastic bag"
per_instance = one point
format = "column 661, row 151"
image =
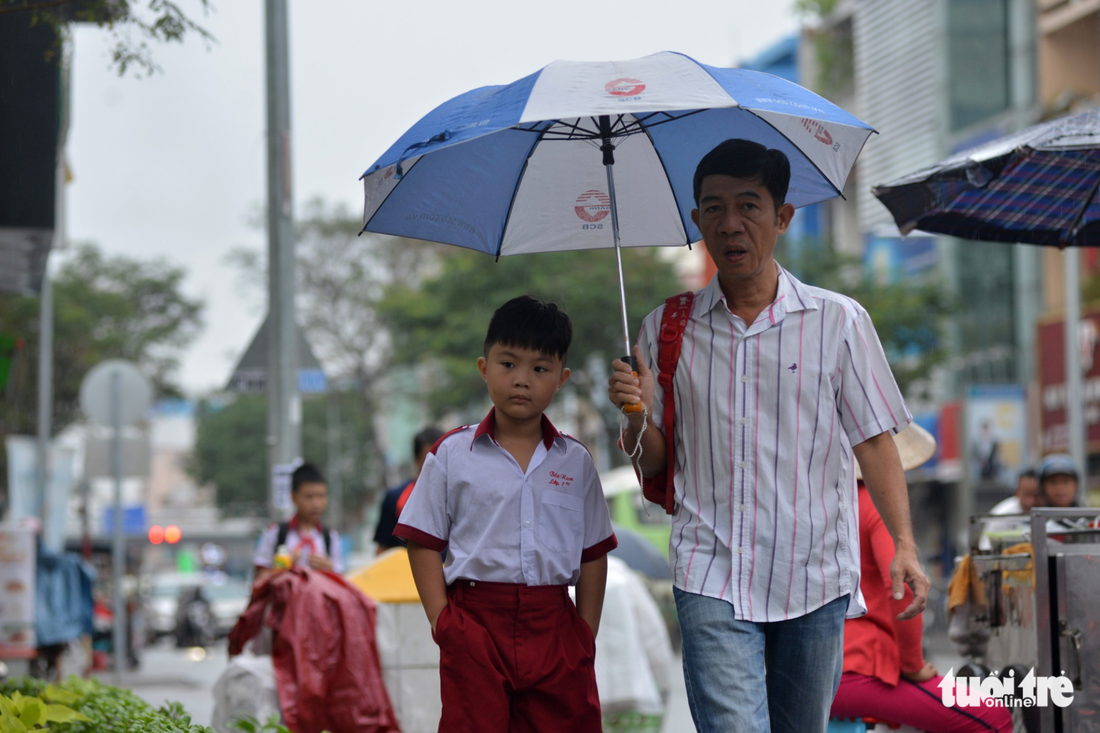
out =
column 246, row 688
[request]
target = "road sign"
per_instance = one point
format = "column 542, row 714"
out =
column 250, row 374
column 135, row 394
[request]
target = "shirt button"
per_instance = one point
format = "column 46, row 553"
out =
column 742, row 507
column 740, row 550
column 744, row 377
column 527, row 524
column 741, row 464
column 744, row 421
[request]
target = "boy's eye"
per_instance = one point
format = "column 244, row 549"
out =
column 507, row 364
column 541, row 369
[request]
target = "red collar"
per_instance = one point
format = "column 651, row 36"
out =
column 486, row 427
column 293, row 524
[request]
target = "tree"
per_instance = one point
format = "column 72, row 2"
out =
column 231, row 452
column 133, row 25
column 104, row 307
column 442, row 319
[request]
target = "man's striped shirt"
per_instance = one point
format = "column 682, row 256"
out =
column 766, row 417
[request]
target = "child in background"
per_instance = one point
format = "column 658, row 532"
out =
column 519, row 509
column 310, row 544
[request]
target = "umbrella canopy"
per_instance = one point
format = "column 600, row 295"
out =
column 640, row 554
column 521, row 168
column 1038, row 186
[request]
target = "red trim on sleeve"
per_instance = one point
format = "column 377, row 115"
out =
column 406, row 532
column 598, row 550
column 446, row 435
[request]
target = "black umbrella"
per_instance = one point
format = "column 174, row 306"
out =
column 641, row 554
column 1037, row 186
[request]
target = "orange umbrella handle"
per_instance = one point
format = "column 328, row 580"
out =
column 630, row 409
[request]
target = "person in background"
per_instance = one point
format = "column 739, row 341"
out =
column 1028, row 494
column 885, row 674
column 395, row 498
column 1058, row 480
column 310, row 544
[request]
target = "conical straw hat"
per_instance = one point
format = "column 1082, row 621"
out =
column 915, row 446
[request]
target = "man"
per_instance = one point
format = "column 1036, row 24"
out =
column 1027, row 495
column 394, row 500
column 778, row 385
column 1058, row 480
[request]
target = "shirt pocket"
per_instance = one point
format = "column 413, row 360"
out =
column 561, row 521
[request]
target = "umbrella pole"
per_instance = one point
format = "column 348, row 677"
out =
column 609, row 165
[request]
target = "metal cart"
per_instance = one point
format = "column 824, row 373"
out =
column 1042, row 612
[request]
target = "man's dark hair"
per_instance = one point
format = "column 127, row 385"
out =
column 426, row 438
column 529, row 323
column 1028, row 473
column 306, row 473
column 739, row 158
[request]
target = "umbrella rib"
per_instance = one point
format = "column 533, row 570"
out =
column 668, row 179
column 1072, row 232
column 515, row 192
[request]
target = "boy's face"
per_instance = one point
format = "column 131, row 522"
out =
column 311, row 500
column 522, row 382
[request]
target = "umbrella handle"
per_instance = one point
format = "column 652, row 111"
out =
column 629, row 359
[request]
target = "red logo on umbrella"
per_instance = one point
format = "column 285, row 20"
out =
column 818, row 130
column 593, row 205
column 389, row 173
column 625, row 87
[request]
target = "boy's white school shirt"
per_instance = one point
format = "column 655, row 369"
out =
column 501, row 524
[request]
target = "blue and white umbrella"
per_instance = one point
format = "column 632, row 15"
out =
column 589, row 155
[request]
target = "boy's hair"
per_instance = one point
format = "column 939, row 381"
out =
column 426, row 438
column 306, row 473
column 739, row 158
column 530, row 323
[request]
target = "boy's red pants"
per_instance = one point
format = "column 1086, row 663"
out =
column 515, row 658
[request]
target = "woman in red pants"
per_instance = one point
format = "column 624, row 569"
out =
column 885, row 675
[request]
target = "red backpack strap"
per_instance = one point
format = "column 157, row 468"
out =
column 674, row 320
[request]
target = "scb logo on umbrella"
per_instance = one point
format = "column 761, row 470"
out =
column 625, row 87
column 593, row 206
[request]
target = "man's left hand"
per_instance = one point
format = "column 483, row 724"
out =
column 906, row 570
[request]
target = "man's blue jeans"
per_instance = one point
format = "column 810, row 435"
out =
column 745, row 677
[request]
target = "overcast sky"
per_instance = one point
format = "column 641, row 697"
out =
column 174, row 166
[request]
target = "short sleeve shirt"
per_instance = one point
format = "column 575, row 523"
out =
column 501, row 524
column 310, row 542
column 766, row 417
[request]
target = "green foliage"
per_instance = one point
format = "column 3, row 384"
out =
column 105, row 307
column 442, row 319
column 231, row 449
column 88, row 706
column 909, row 315
column 20, row 713
column 132, row 24
column 251, row 725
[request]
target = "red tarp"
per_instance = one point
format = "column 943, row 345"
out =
column 326, row 661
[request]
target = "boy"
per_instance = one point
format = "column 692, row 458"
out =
column 310, row 544
column 519, row 510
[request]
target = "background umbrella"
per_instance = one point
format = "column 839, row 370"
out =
column 529, row 167
column 641, row 554
column 1037, row 186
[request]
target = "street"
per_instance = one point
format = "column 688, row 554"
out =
column 168, row 674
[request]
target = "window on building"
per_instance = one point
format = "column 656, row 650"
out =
column 978, row 68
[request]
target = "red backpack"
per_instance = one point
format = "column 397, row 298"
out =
column 659, row 489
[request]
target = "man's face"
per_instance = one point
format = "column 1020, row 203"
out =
column 1060, row 490
column 1028, row 493
column 740, row 226
column 522, row 382
column 311, row 500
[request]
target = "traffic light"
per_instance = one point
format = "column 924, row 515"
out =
column 170, row 534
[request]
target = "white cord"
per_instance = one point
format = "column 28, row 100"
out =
column 635, row 455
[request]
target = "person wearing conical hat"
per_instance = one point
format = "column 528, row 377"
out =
column 885, row 673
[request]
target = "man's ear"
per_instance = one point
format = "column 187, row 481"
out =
column 695, row 217
column 783, row 217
